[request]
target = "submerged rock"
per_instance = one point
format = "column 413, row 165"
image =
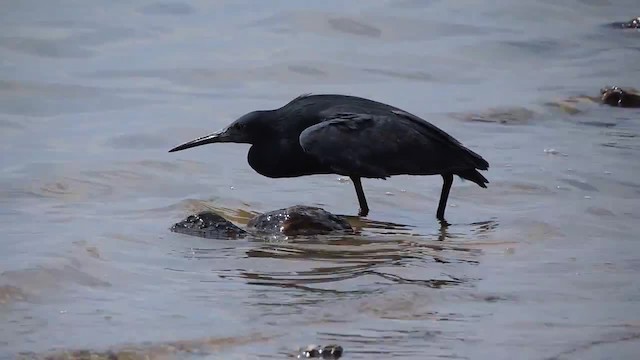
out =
column 208, row 347
column 208, row 224
column 298, row 220
column 329, row 352
column 9, row 293
column 504, row 115
column 291, row 221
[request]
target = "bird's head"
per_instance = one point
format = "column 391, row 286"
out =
column 247, row 129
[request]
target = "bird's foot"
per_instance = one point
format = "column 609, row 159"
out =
column 443, row 223
column 363, row 212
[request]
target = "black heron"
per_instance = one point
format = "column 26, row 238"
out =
column 349, row 136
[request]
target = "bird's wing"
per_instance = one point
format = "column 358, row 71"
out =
column 366, row 145
column 446, row 141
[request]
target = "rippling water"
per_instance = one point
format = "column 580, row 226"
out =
column 542, row 264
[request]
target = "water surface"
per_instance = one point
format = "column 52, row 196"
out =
column 541, row 265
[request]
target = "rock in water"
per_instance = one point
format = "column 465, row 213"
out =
column 631, row 24
column 615, row 96
column 622, row 97
column 329, row 352
column 291, row 221
column 298, row 220
column 208, row 225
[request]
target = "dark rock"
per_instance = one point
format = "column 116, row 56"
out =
column 208, row 225
column 329, row 352
column 622, row 97
column 291, row 221
column 298, row 220
column 632, row 24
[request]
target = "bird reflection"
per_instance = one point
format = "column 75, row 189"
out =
column 351, row 257
column 359, row 224
column 443, row 234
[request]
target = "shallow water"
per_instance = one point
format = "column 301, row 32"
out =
column 541, row 265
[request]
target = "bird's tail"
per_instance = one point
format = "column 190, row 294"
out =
column 473, row 175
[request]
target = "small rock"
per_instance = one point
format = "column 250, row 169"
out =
column 329, row 352
column 621, row 97
column 631, row 24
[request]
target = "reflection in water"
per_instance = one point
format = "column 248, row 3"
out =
column 326, row 283
column 327, row 261
column 359, row 224
column 484, row 229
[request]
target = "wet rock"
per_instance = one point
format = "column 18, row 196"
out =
column 298, row 220
column 208, row 225
column 609, row 95
column 318, row 352
column 631, row 24
column 291, row 221
column 622, row 97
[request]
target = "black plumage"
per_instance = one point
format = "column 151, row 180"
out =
column 350, row 136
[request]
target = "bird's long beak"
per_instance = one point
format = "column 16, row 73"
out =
column 219, row 136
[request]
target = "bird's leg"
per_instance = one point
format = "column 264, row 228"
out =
column 364, row 208
column 446, row 186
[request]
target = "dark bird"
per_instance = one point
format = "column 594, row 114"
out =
column 349, row 136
